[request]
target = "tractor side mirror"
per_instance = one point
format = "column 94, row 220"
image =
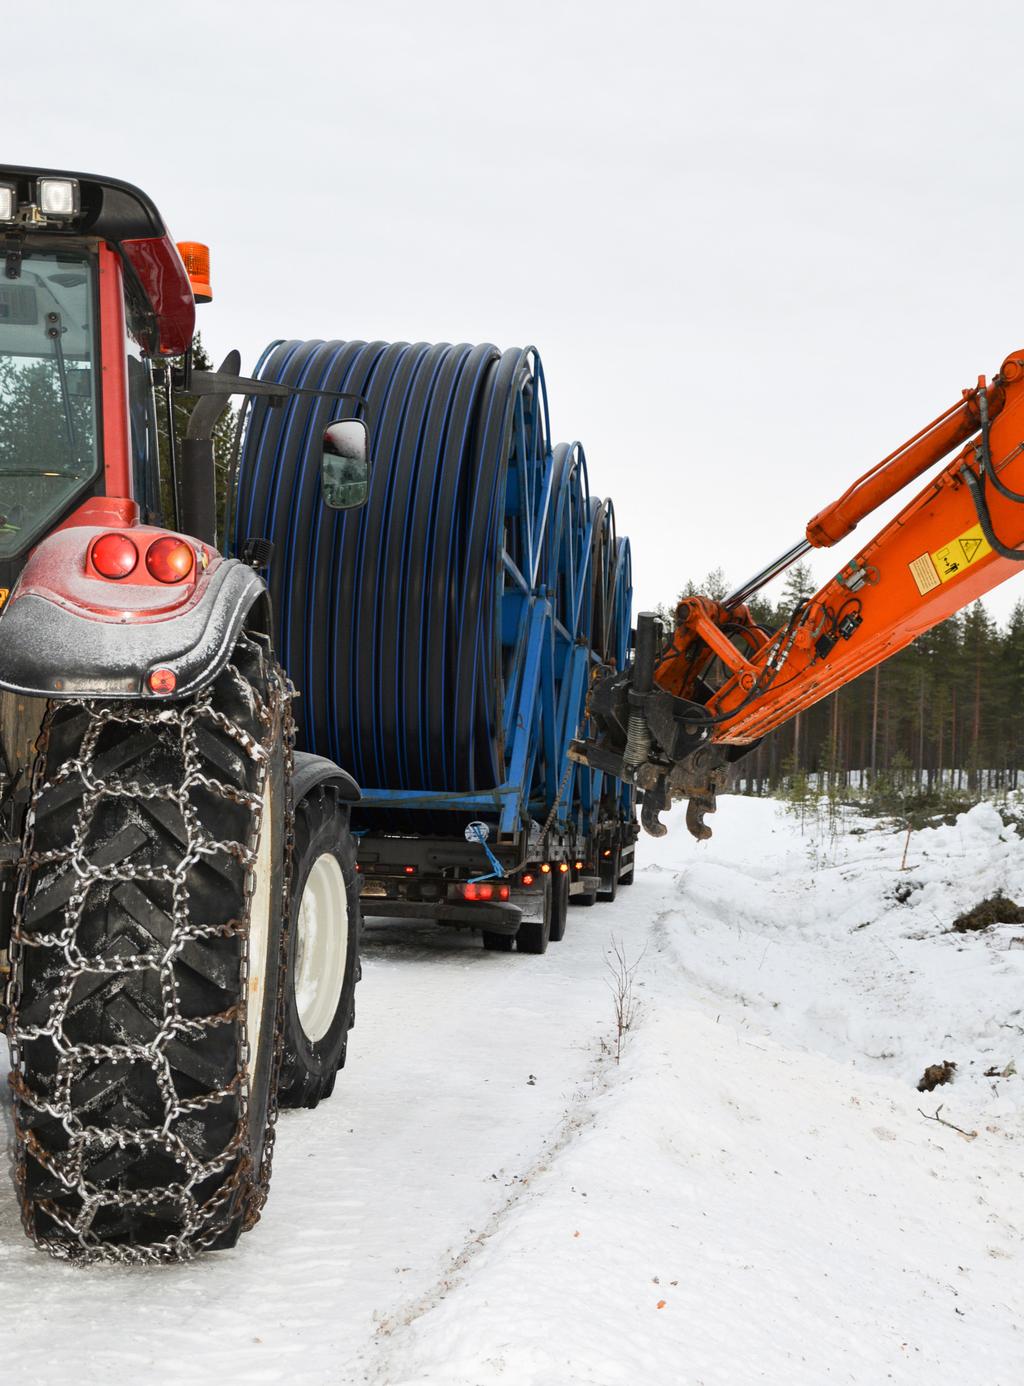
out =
column 345, row 469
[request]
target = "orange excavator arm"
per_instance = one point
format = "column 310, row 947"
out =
column 689, row 705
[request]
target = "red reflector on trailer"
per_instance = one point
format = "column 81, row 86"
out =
column 163, row 681
column 114, row 556
column 410, row 871
column 170, row 559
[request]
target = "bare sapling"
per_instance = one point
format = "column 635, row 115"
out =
column 627, row 1006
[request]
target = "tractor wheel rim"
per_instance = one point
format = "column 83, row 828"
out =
column 321, row 947
column 259, row 934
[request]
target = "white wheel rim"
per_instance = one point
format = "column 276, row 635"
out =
column 259, row 934
column 321, row 947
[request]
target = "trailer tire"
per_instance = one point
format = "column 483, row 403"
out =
column 147, row 961
column 607, row 895
column 323, row 950
column 535, row 934
column 497, row 943
column 587, row 899
column 559, row 905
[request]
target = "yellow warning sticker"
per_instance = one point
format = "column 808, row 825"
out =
column 5, row 592
column 955, row 557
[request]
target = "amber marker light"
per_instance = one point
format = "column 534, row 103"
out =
column 162, row 681
column 196, row 259
column 114, row 556
column 563, row 866
column 546, row 868
column 170, row 559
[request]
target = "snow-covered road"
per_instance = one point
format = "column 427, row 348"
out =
column 752, row 1196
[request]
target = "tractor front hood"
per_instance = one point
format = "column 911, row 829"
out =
column 66, row 632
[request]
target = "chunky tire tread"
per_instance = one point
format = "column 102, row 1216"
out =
column 162, row 1144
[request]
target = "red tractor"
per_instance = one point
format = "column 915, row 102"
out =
column 179, row 913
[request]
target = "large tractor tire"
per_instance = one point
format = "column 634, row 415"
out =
column 323, row 950
column 148, row 959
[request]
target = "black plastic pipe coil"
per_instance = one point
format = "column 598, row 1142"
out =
column 390, row 618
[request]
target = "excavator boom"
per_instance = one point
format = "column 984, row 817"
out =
column 703, row 697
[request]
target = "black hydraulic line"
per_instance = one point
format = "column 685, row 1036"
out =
column 976, row 486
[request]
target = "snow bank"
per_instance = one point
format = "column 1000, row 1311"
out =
column 755, row 1195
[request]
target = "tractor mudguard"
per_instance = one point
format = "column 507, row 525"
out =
column 311, row 771
column 67, row 632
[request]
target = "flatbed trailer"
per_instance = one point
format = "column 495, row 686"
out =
column 446, row 639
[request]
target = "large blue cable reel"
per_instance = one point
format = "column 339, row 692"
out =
column 440, row 636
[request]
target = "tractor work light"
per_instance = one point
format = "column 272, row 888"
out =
column 114, row 556
column 58, row 197
column 8, row 202
column 170, row 559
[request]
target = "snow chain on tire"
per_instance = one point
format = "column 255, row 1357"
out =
column 138, row 1138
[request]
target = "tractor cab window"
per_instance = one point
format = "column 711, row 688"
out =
column 142, row 420
column 48, row 384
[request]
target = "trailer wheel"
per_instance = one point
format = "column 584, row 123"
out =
column 497, row 943
column 559, row 905
column 607, row 895
column 589, row 898
column 147, row 961
column 535, row 934
column 323, row 950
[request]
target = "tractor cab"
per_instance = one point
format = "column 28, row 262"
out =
column 92, row 292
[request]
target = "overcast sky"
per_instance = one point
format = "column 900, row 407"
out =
column 758, row 245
